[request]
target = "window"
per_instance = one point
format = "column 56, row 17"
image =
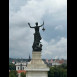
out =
column 18, row 68
column 23, row 68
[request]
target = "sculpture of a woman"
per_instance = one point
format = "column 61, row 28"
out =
column 37, row 37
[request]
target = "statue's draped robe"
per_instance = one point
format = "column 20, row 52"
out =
column 37, row 38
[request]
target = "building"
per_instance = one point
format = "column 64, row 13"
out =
column 13, row 62
column 55, row 63
column 61, row 61
column 21, row 65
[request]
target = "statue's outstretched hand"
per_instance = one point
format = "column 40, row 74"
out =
column 29, row 24
column 43, row 22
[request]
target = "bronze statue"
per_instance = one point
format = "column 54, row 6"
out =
column 37, row 37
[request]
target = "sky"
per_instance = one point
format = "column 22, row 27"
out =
column 54, row 38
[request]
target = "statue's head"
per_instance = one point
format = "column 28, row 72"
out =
column 36, row 23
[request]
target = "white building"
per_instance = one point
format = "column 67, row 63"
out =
column 21, row 65
column 55, row 63
column 13, row 62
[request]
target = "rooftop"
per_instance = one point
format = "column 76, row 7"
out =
column 20, row 71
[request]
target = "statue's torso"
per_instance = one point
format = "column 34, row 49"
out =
column 36, row 29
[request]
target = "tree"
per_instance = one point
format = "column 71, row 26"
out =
column 58, row 71
column 64, row 66
column 51, row 72
column 12, row 66
column 13, row 73
column 23, row 74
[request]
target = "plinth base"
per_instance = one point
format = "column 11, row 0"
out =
column 36, row 74
column 36, row 67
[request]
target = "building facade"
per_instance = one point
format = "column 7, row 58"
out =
column 21, row 65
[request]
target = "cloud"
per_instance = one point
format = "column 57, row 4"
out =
column 21, row 36
column 53, row 48
column 34, row 10
column 59, row 27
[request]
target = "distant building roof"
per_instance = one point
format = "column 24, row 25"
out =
column 19, row 63
column 20, row 71
column 47, row 60
column 61, row 61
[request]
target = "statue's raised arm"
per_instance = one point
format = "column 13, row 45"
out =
column 30, row 26
column 42, row 24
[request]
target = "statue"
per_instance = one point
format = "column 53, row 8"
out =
column 37, row 46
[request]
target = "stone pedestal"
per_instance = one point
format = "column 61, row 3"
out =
column 36, row 67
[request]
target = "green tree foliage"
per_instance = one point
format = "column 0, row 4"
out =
column 58, row 71
column 23, row 74
column 13, row 73
column 64, row 66
column 12, row 66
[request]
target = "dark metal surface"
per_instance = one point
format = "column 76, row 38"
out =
column 37, row 46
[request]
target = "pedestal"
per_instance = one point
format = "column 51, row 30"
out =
column 36, row 67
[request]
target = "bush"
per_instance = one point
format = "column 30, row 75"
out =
column 13, row 74
column 59, row 71
column 23, row 74
column 12, row 66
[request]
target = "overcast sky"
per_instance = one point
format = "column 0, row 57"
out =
column 54, row 38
